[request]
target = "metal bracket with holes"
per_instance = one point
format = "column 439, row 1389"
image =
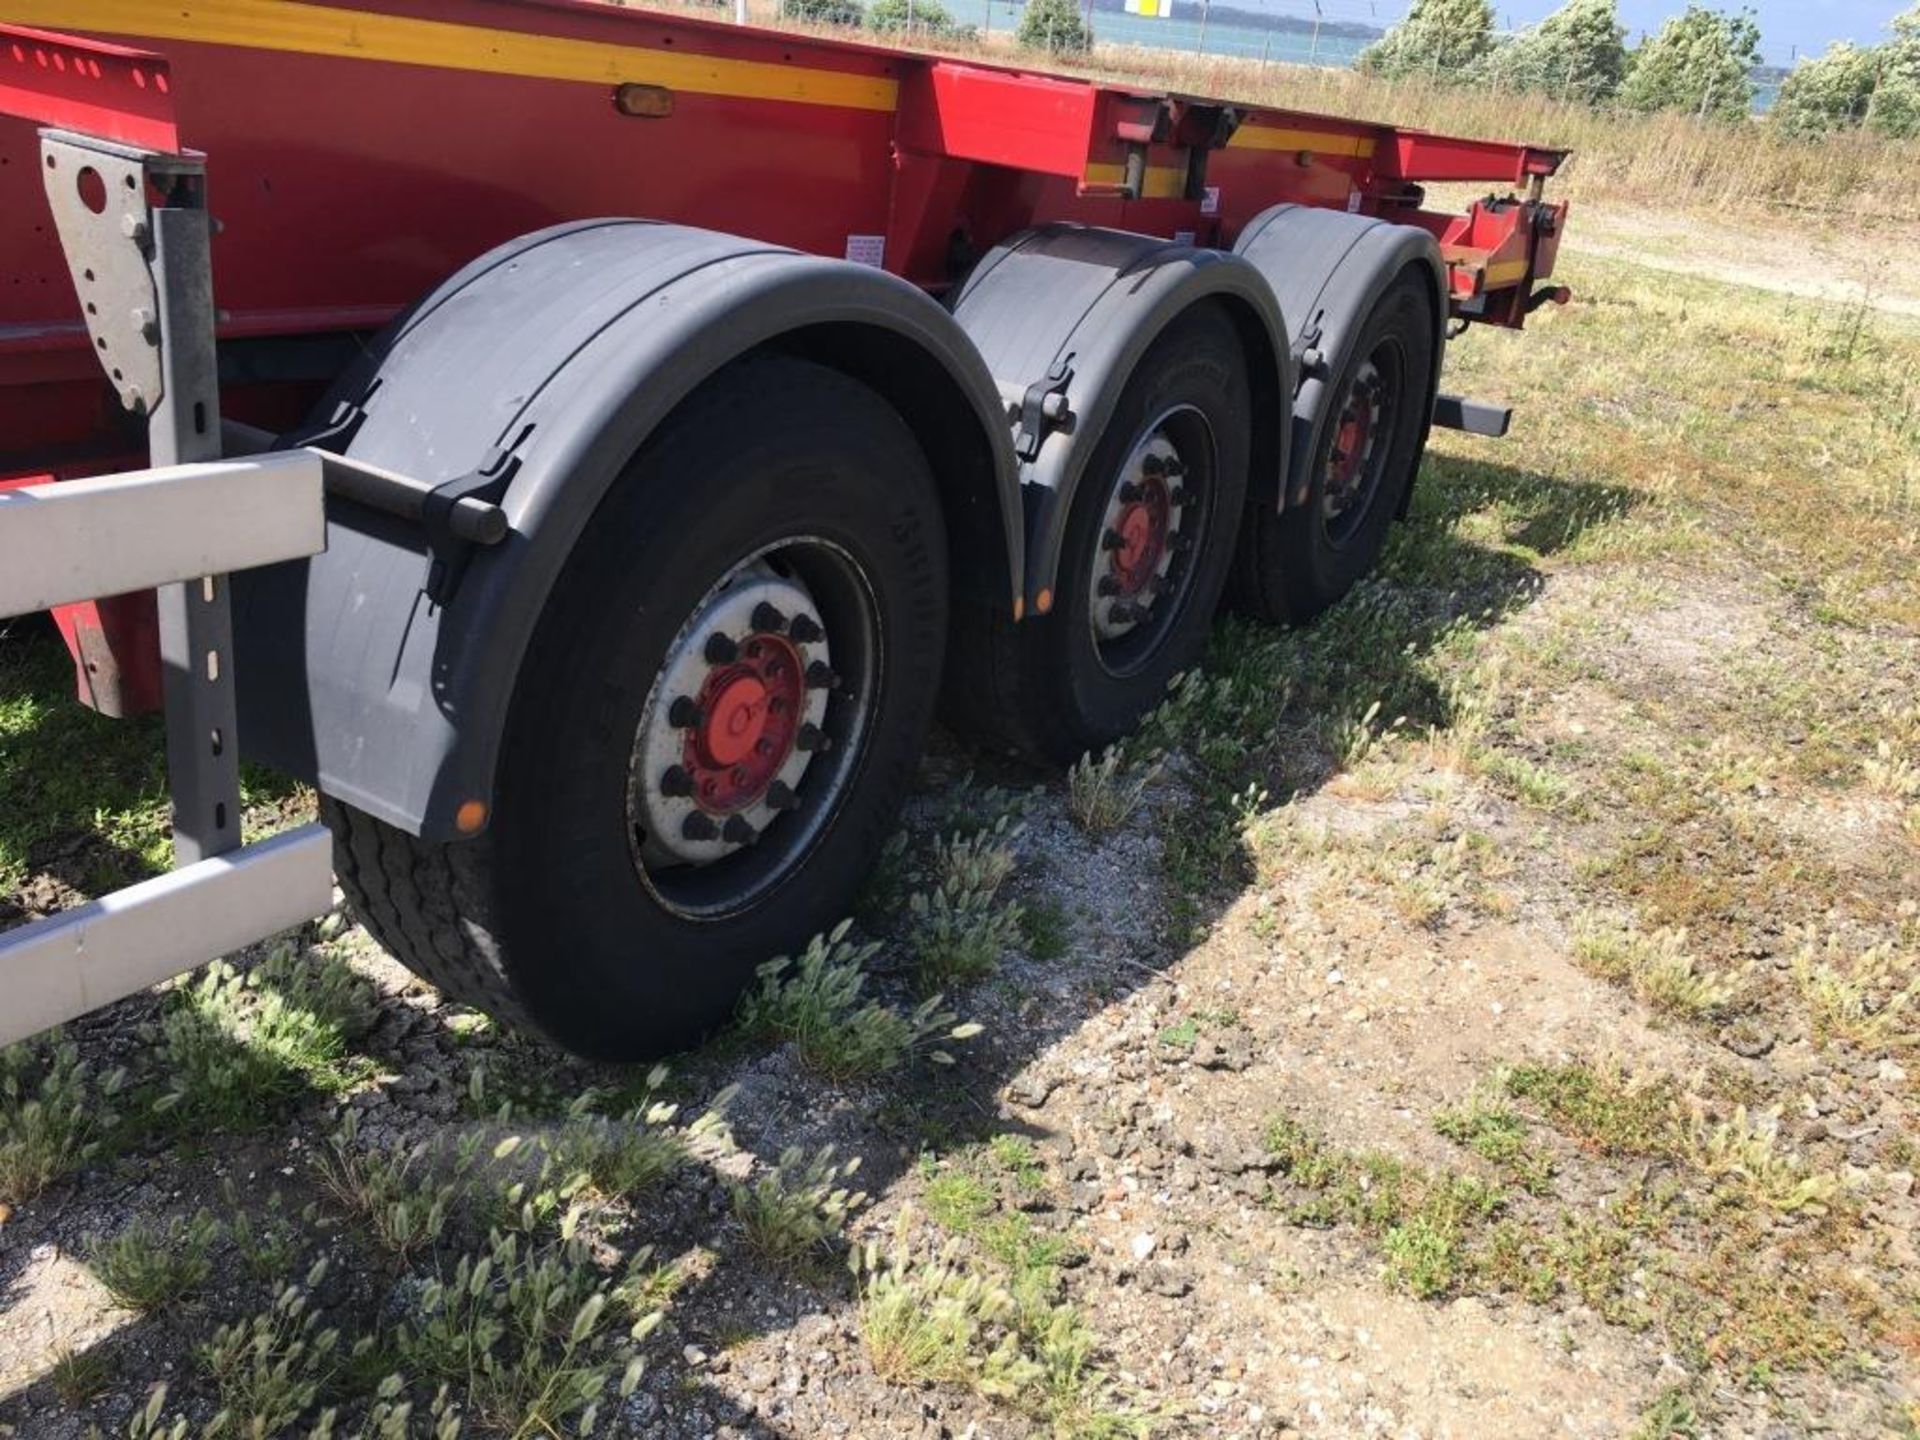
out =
column 135, row 230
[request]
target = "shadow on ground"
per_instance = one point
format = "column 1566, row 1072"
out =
column 1279, row 707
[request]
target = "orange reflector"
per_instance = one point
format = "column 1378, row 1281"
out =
column 1019, row 606
column 471, row 815
column 1043, row 602
column 644, row 102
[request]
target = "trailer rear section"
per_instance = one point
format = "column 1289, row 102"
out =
column 698, row 410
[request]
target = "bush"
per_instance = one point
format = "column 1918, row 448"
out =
column 1697, row 64
column 911, row 16
column 1833, row 92
column 825, row 12
column 1439, row 38
column 1575, row 53
column 1054, row 26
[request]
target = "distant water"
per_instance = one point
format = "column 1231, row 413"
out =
column 1181, row 33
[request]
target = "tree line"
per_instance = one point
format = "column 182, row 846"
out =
column 1700, row 62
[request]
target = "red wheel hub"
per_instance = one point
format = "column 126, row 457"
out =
column 1350, row 441
column 1142, row 528
column 750, row 711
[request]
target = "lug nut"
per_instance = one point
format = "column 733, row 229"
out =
column 738, row 832
column 1123, row 612
column 1107, row 585
column 780, row 796
column 1152, row 466
column 1129, row 492
column 812, row 737
column 676, row 782
column 805, row 629
column 720, row 649
column 1112, row 540
column 699, row 827
column 821, row 677
column 1175, row 466
column 1177, row 496
column 683, row 713
column 768, row 619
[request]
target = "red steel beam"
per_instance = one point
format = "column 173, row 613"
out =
column 108, row 91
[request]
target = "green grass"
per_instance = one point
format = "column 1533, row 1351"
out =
column 148, row 1266
column 83, row 798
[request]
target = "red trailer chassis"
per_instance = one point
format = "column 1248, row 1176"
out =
column 1262, row 294
column 366, row 150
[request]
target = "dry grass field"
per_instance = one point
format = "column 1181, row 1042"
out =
column 1491, row 1011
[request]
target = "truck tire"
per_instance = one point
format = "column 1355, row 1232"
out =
column 723, row 706
column 1294, row 563
column 1143, row 559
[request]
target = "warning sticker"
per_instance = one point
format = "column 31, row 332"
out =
column 1353, row 202
column 867, row 249
column 1210, row 200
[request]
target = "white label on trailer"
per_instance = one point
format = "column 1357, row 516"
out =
column 867, row 250
column 1183, row 237
column 1353, row 202
column 1210, row 200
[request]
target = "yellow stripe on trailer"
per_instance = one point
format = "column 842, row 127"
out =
column 1162, row 182
column 1320, row 142
column 399, row 39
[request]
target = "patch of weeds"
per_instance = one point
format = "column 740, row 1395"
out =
column 1745, row 1153
column 238, row 1047
column 1103, row 794
column 1016, row 1156
column 1528, row 781
column 1499, row 1136
column 1181, row 1036
column 926, row 1318
column 1423, row 1219
column 1672, row 1416
column 54, row 1114
column 979, row 863
column 971, row 808
column 817, row 1004
column 269, row 1245
column 1044, row 927
column 79, row 1377
column 531, row 1334
column 957, row 1202
column 960, row 935
column 1422, row 1256
column 269, row 1369
column 1607, row 1111
column 798, row 1207
column 147, row 1266
column 1658, row 969
column 623, row 1157
column 936, row 1318
column 1870, row 1001
column 393, row 1190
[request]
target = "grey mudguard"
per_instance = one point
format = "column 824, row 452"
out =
column 570, row 346
column 1327, row 268
column 1096, row 300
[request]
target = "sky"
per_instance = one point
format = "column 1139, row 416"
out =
column 1784, row 24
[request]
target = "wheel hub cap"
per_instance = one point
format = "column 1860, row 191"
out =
column 1140, row 538
column 750, row 715
column 733, row 722
column 1349, row 462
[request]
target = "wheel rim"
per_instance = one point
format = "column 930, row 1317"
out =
column 1362, row 442
column 1156, row 510
column 750, row 733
